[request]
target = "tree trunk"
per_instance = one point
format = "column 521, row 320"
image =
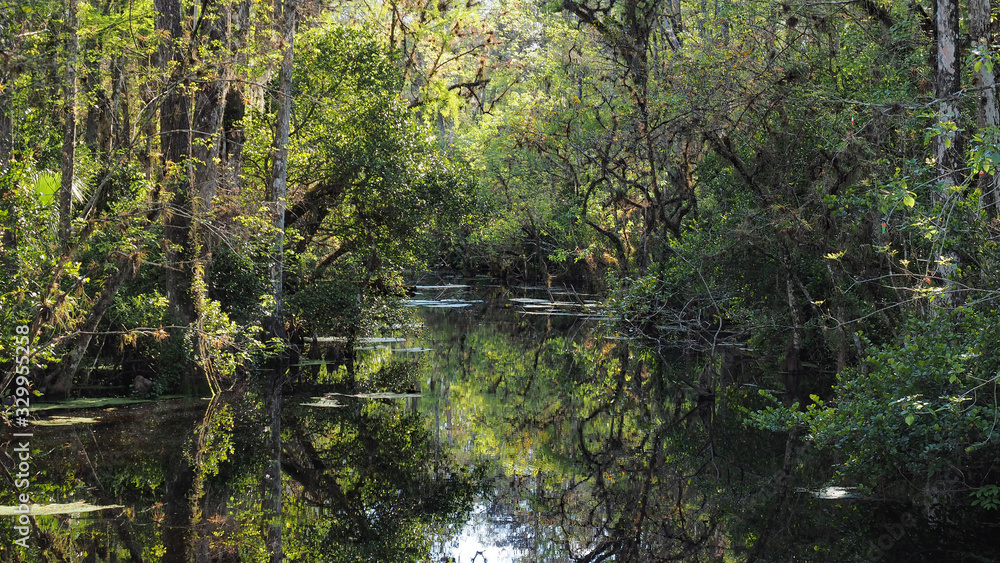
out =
column 210, row 104
column 947, row 150
column 987, row 114
column 791, row 365
column 285, row 13
column 100, row 115
column 69, row 131
column 120, row 115
column 206, row 156
column 211, row 100
column 231, row 137
column 175, row 145
column 947, row 84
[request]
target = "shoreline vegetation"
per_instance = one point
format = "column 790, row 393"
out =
column 703, row 239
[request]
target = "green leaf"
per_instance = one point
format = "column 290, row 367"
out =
column 909, row 201
column 909, row 420
column 46, row 186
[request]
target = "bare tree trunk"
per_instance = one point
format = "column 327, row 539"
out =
column 69, row 132
column 232, row 138
column 947, row 84
column 285, row 12
column 97, row 128
column 791, row 366
column 987, row 113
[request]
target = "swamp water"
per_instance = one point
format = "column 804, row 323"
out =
column 509, row 427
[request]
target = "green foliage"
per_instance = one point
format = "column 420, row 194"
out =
column 219, row 441
column 916, row 407
column 237, row 280
column 331, row 306
column 369, row 188
column 987, row 497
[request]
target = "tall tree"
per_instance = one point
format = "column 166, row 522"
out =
column 947, row 87
column 69, row 131
column 947, row 143
column 221, row 27
column 175, row 146
column 285, row 12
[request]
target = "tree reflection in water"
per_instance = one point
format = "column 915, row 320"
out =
column 599, row 451
column 604, row 448
column 363, row 482
column 535, row 438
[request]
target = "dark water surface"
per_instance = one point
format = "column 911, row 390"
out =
column 501, row 424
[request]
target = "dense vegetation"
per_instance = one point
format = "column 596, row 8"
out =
column 801, row 196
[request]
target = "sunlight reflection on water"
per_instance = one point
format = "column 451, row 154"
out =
column 481, row 540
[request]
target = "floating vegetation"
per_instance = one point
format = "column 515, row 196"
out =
column 65, row 421
column 584, row 310
column 442, row 303
column 307, row 363
column 87, row 403
column 55, row 509
column 365, row 340
column 553, row 313
column 324, row 402
column 380, row 395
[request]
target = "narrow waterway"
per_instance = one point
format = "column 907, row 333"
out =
column 593, row 449
column 494, row 424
